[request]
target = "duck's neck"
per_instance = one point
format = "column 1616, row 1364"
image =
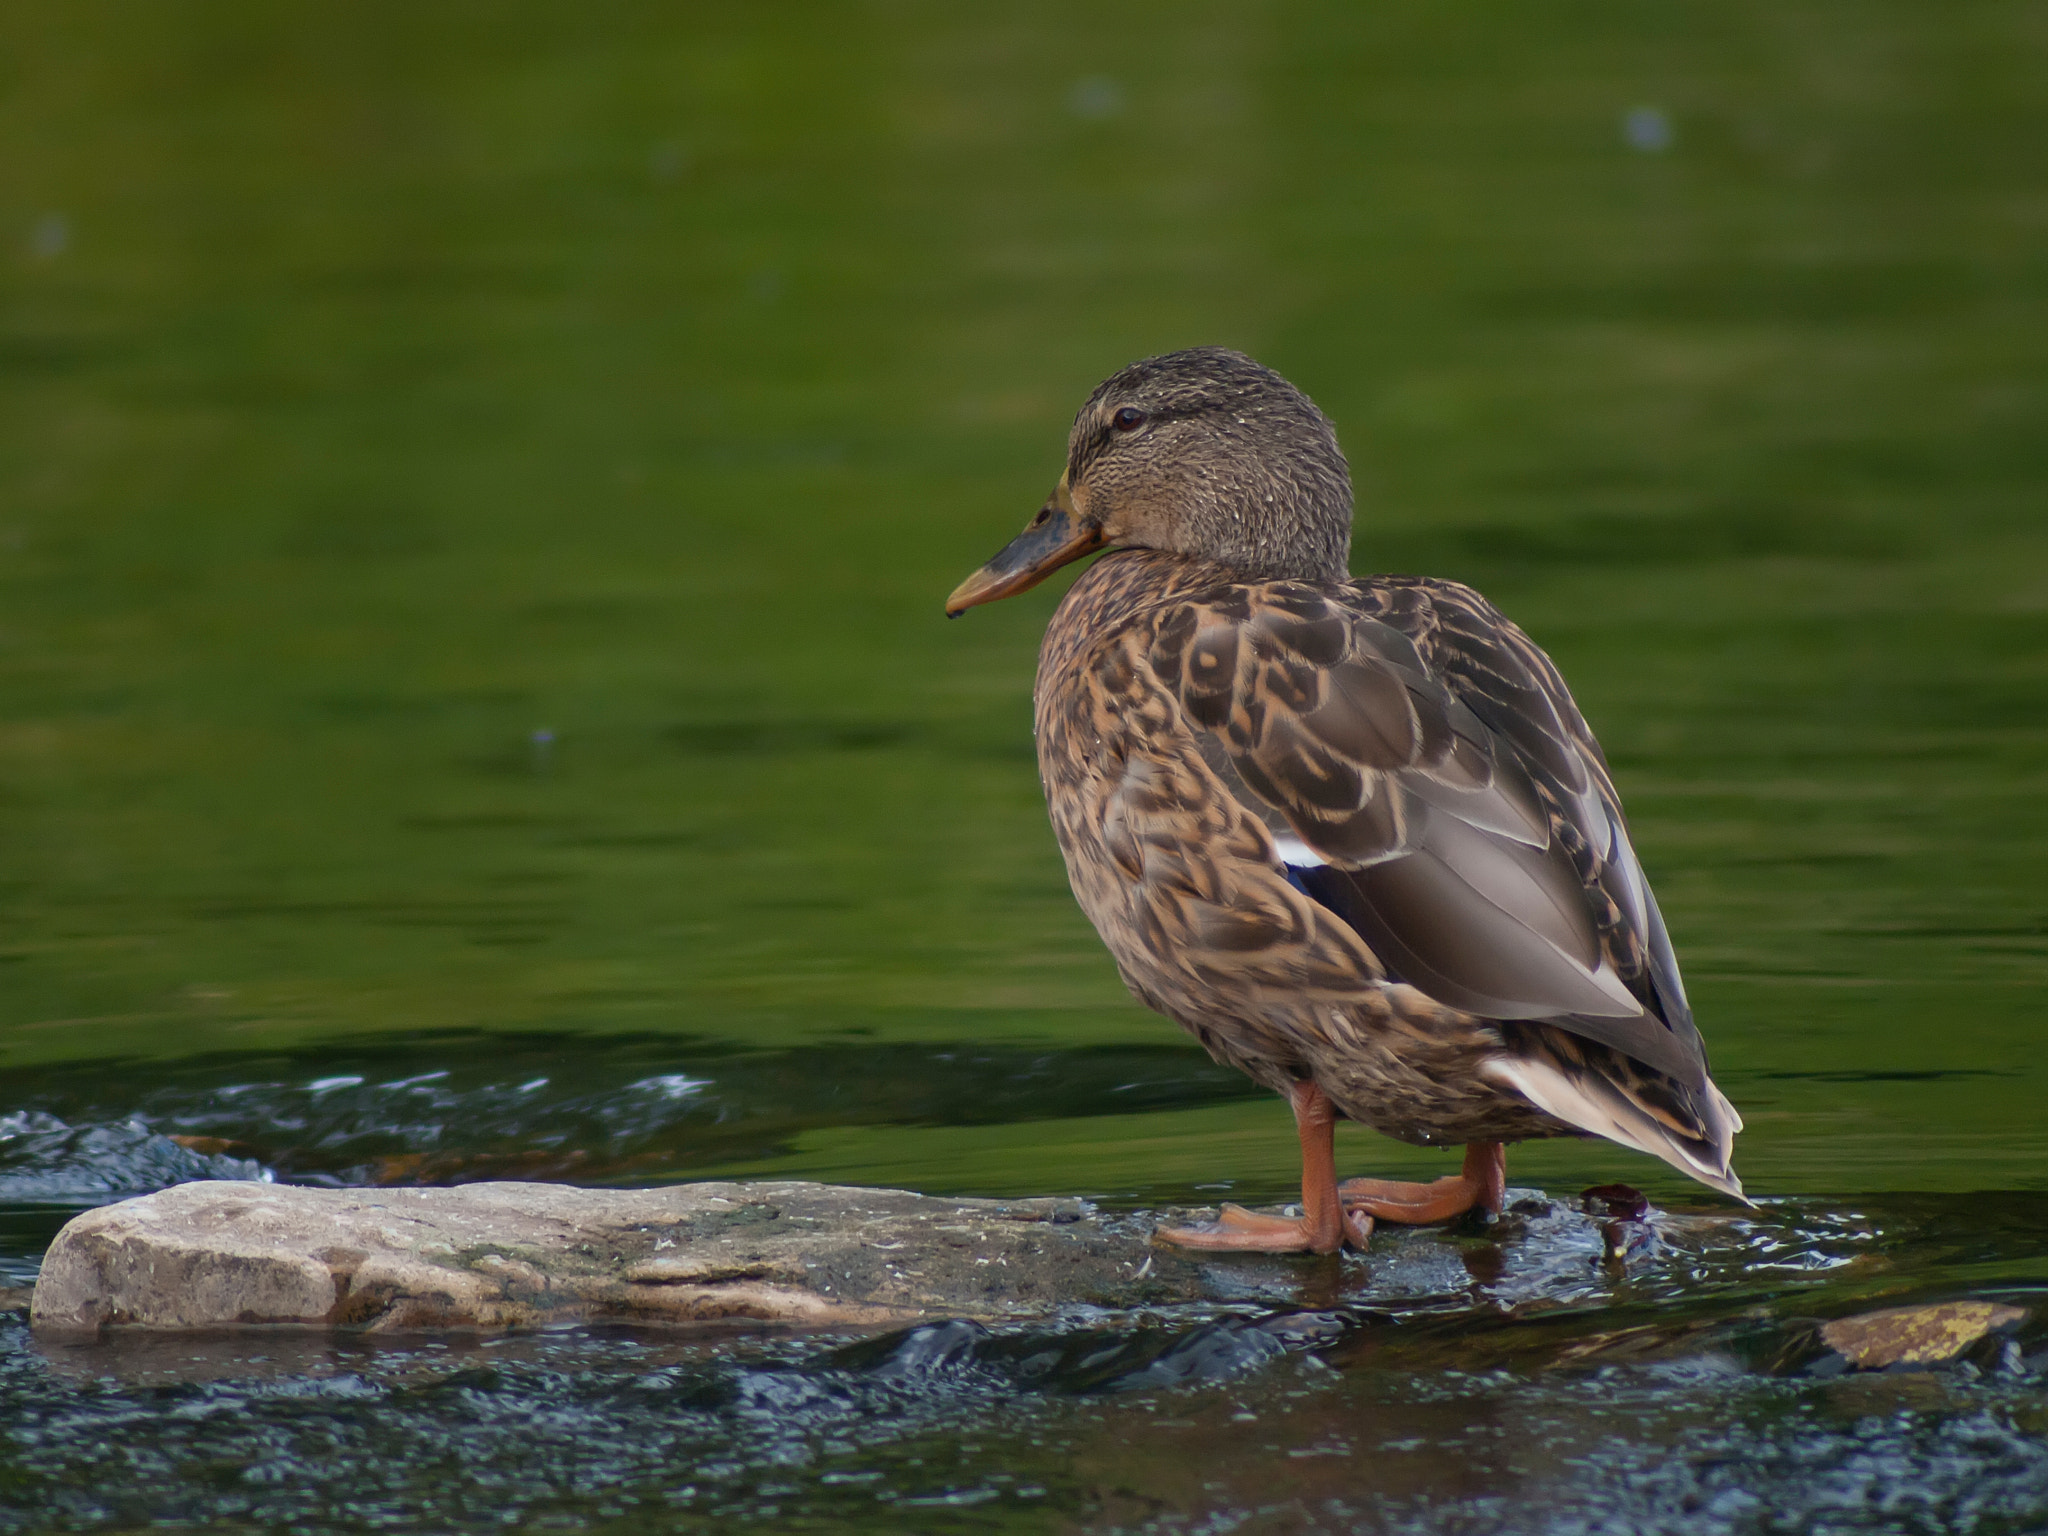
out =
column 1116, row 587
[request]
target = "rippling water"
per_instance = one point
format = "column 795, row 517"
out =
column 530, row 1107
column 634, row 1433
column 475, row 495
column 1535, row 1375
column 1682, row 1397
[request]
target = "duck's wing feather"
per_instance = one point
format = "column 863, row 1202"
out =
column 1428, row 777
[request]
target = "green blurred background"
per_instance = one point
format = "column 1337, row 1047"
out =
column 478, row 484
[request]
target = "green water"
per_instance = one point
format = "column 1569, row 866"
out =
column 478, row 484
column 383, row 390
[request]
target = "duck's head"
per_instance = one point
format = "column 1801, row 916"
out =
column 1202, row 453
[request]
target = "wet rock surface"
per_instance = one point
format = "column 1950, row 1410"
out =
column 509, row 1255
column 494, row 1257
column 1916, row 1335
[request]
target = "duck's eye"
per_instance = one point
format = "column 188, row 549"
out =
column 1127, row 419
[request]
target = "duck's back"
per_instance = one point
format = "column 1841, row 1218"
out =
column 1314, row 821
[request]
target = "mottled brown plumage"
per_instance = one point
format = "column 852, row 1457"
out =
column 1353, row 835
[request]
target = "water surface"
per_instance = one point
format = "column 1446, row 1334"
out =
column 476, row 491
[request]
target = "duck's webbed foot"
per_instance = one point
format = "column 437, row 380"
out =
column 1238, row 1230
column 1323, row 1226
column 1483, row 1183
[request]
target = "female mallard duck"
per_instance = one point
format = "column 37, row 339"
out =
column 1353, row 835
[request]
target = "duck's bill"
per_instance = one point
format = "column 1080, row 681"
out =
column 1056, row 536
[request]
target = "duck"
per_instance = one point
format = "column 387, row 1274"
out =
column 1350, row 833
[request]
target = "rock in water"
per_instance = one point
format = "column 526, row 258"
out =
column 499, row 1256
column 1915, row 1335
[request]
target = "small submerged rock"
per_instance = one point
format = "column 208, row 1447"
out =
column 509, row 1255
column 1916, row 1335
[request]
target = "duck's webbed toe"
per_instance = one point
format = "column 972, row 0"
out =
column 1237, row 1230
column 1482, row 1186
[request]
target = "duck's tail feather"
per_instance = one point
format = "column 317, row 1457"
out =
column 1601, row 1091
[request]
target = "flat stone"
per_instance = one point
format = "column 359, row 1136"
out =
column 493, row 1257
column 1916, row 1335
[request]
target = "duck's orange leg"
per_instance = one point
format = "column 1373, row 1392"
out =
column 1323, row 1226
column 1483, row 1183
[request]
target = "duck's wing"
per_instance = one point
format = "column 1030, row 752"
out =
column 1428, row 778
